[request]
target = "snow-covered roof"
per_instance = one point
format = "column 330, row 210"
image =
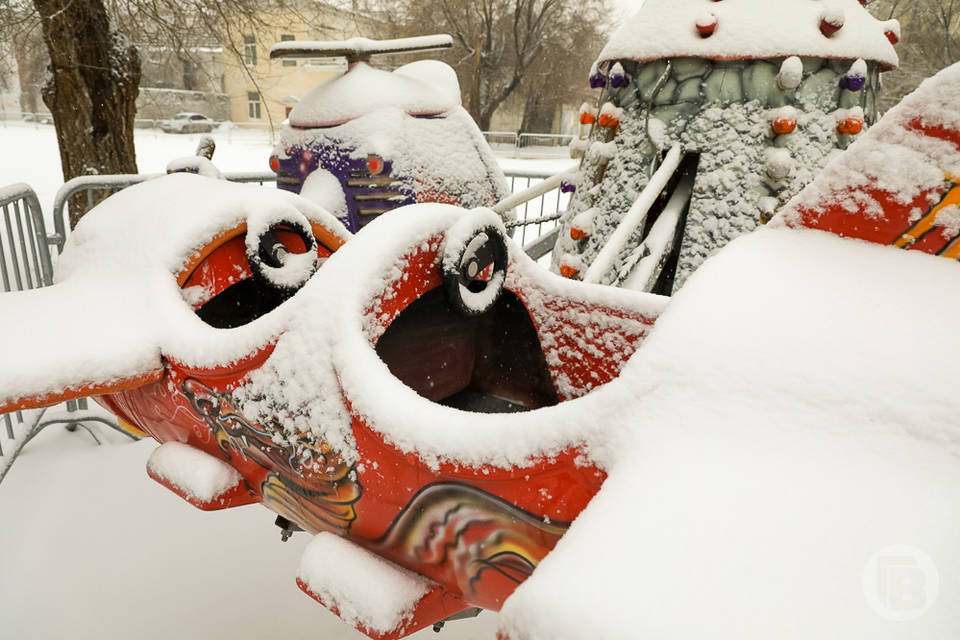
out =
column 420, row 88
column 752, row 29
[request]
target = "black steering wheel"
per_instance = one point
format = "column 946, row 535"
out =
column 277, row 267
column 471, row 286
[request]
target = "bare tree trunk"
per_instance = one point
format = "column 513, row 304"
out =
column 91, row 90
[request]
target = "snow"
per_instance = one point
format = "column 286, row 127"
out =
column 194, row 164
column 653, row 251
column 323, row 188
column 949, row 219
column 782, row 426
column 779, row 163
column 199, row 475
column 88, row 534
column 413, row 89
column 751, row 29
column 341, row 574
column 791, row 73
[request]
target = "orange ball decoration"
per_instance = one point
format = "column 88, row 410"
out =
column 567, row 271
column 783, row 126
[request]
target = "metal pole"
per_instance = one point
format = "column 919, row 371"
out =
column 14, row 262
column 25, row 258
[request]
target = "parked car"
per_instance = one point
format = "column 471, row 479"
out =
column 189, row 123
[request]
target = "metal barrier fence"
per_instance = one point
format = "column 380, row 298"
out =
column 26, row 263
column 550, row 144
column 541, row 211
column 500, row 139
column 114, row 183
column 24, row 255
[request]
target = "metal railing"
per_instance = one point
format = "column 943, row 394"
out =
column 25, row 263
column 114, row 183
column 20, row 433
column 24, row 255
column 499, row 139
column 539, row 216
column 540, row 212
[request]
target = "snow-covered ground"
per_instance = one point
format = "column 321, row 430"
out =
column 93, row 548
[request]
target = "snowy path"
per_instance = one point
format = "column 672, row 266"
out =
column 94, row 549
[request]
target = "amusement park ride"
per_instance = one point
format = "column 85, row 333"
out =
column 365, row 329
column 371, row 140
column 396, row 388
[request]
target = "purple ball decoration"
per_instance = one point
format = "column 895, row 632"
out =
column 852, row 82
column 855, row 83
column 566, row 187
column 619, row 80
column 598, row 80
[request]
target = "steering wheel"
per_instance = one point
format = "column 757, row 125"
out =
column 276, row 266
column 474, row 269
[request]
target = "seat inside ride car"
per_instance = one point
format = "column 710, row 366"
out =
column 491, row 363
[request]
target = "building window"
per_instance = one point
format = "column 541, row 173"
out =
column 249, row 51
column 287, row 37
column 253, row 105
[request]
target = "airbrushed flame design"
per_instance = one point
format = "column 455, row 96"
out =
column 450, row 532
column 309, row 483
column 469, row 532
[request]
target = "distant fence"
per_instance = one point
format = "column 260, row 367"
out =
column 529, row 145
column 546, row 143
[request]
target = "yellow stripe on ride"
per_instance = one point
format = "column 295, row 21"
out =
column 132, row 430
column 952, row 250
column 927, row 222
